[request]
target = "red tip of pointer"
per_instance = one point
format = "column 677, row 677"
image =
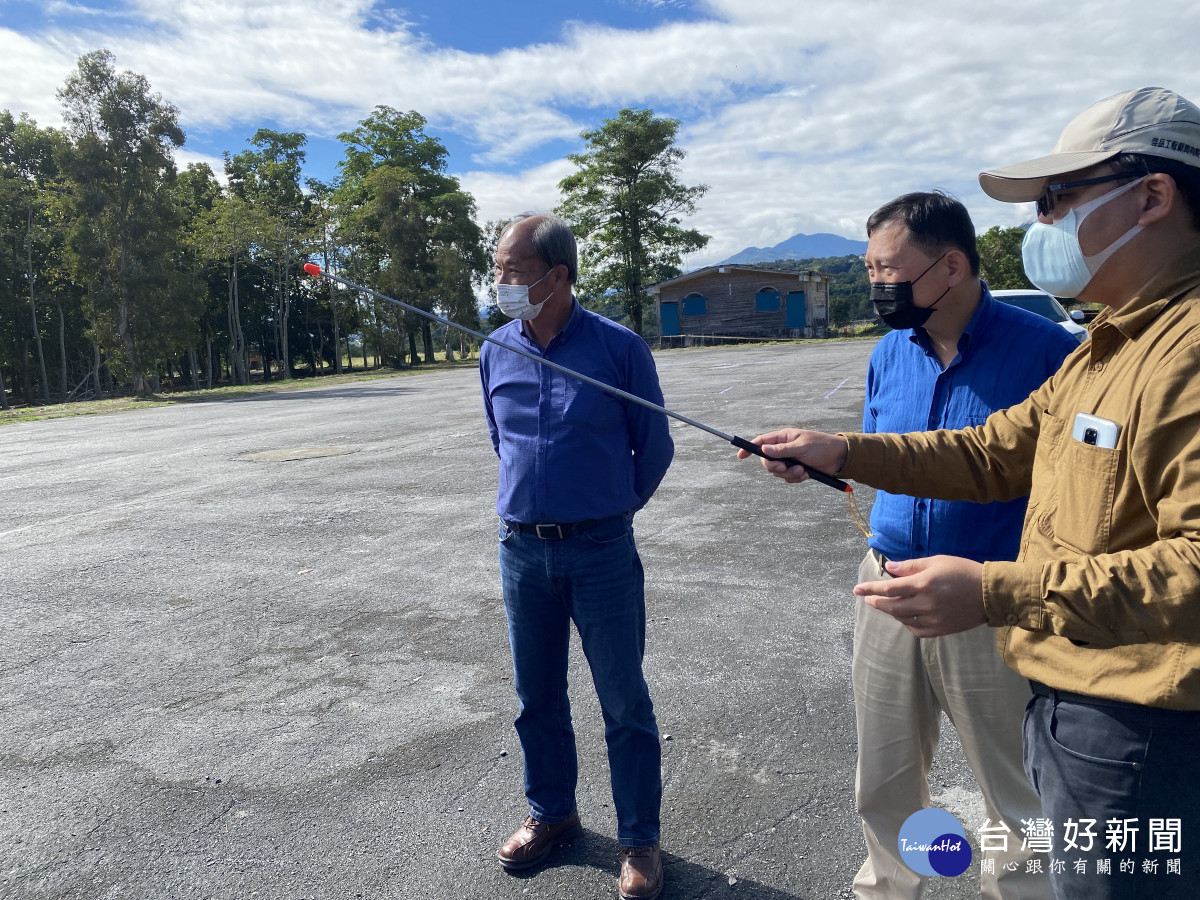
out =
column 312, row 268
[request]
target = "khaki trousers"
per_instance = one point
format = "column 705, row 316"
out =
column 901, row 685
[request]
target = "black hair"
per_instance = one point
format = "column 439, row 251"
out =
column 936, row 223
column 1186, row 177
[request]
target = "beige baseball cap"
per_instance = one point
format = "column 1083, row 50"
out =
column 1151, row 120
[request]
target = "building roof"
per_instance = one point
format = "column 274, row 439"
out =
column 808, row 275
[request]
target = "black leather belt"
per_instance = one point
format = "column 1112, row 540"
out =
column 553, row 531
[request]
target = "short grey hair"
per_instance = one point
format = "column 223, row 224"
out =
column 553, row 242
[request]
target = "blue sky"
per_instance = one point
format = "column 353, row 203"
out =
column 800, row 116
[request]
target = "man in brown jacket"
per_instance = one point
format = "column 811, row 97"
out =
column 1101, row 609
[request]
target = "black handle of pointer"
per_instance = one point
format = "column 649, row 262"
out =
column 742, row 444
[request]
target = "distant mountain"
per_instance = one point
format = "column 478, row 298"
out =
column 800, row 246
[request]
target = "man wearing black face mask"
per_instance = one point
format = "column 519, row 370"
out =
column 957, row 354
column 1101, row 609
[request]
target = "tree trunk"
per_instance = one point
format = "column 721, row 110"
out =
column 380, row 354
column 26, row 380
column 125, row 330
column 37, row 331
column 275, row 338
column 192, row 359
column 427, row 340
column 62, row 349
column 285, row 357
column 333, row 308
column 37, row 334
column 124, row 319
column 208, row 370
column 398, row 355
column 337, row 336
column 3, row 391
column 238, row 359
column 96, row 369
column 412, row 346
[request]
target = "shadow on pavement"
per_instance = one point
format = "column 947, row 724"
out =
column 303, row 393
column 682, row 879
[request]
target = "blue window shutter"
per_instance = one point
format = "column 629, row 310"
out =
column 767, row 300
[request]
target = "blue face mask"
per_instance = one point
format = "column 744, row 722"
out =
column 1051, row 254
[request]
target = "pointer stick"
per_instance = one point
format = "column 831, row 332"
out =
column 739, row 442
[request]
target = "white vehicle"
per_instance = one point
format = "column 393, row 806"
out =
column 1045, row 305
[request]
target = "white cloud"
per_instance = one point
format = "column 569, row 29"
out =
column 184, row 158
column 800, row 116
column 58, row 8
column 500, row 196
column 30, row 73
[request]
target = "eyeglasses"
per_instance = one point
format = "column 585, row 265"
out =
column 1045, row 203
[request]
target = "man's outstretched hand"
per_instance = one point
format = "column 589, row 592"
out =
column 823, row 452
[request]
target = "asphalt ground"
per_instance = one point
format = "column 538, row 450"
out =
column 230, row 673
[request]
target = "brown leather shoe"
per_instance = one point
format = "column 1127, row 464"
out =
column 641, row 873
column 533, row 841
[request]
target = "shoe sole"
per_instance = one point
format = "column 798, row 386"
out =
column 517, row 865
column 625, row 896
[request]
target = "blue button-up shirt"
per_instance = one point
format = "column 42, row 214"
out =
column 1004, row 354
column 570, row 451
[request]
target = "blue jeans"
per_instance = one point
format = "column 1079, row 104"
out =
column 594, row 579
column 1090, row 758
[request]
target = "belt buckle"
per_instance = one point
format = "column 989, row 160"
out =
column 550, row 535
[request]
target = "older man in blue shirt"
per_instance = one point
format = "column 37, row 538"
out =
column 956, row 356
column 576, row 463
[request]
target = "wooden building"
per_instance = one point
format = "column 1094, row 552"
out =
column 741, row 302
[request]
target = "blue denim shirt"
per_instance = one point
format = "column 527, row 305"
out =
column 570, row 451
column 1004, row 354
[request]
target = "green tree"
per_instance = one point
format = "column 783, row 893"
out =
column 401, row 214
column 32, row 244
column 341, row 306
column 228, row 234
column 123, row 224
column 269, row 179
column 197, row 191
column 456, row 297
column 625, row 201
column 1000, row 262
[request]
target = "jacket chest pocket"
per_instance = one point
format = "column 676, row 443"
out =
column 1086, row 478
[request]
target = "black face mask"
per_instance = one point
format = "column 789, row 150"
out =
column 894, row 301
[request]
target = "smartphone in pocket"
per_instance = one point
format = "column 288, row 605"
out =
column 1093, row 430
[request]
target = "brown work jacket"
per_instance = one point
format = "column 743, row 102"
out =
column 1104, row 597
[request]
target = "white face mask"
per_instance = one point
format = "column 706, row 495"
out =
column 1052, row 256
column 513, row 300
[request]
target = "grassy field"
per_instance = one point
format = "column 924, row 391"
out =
column 168, row 398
